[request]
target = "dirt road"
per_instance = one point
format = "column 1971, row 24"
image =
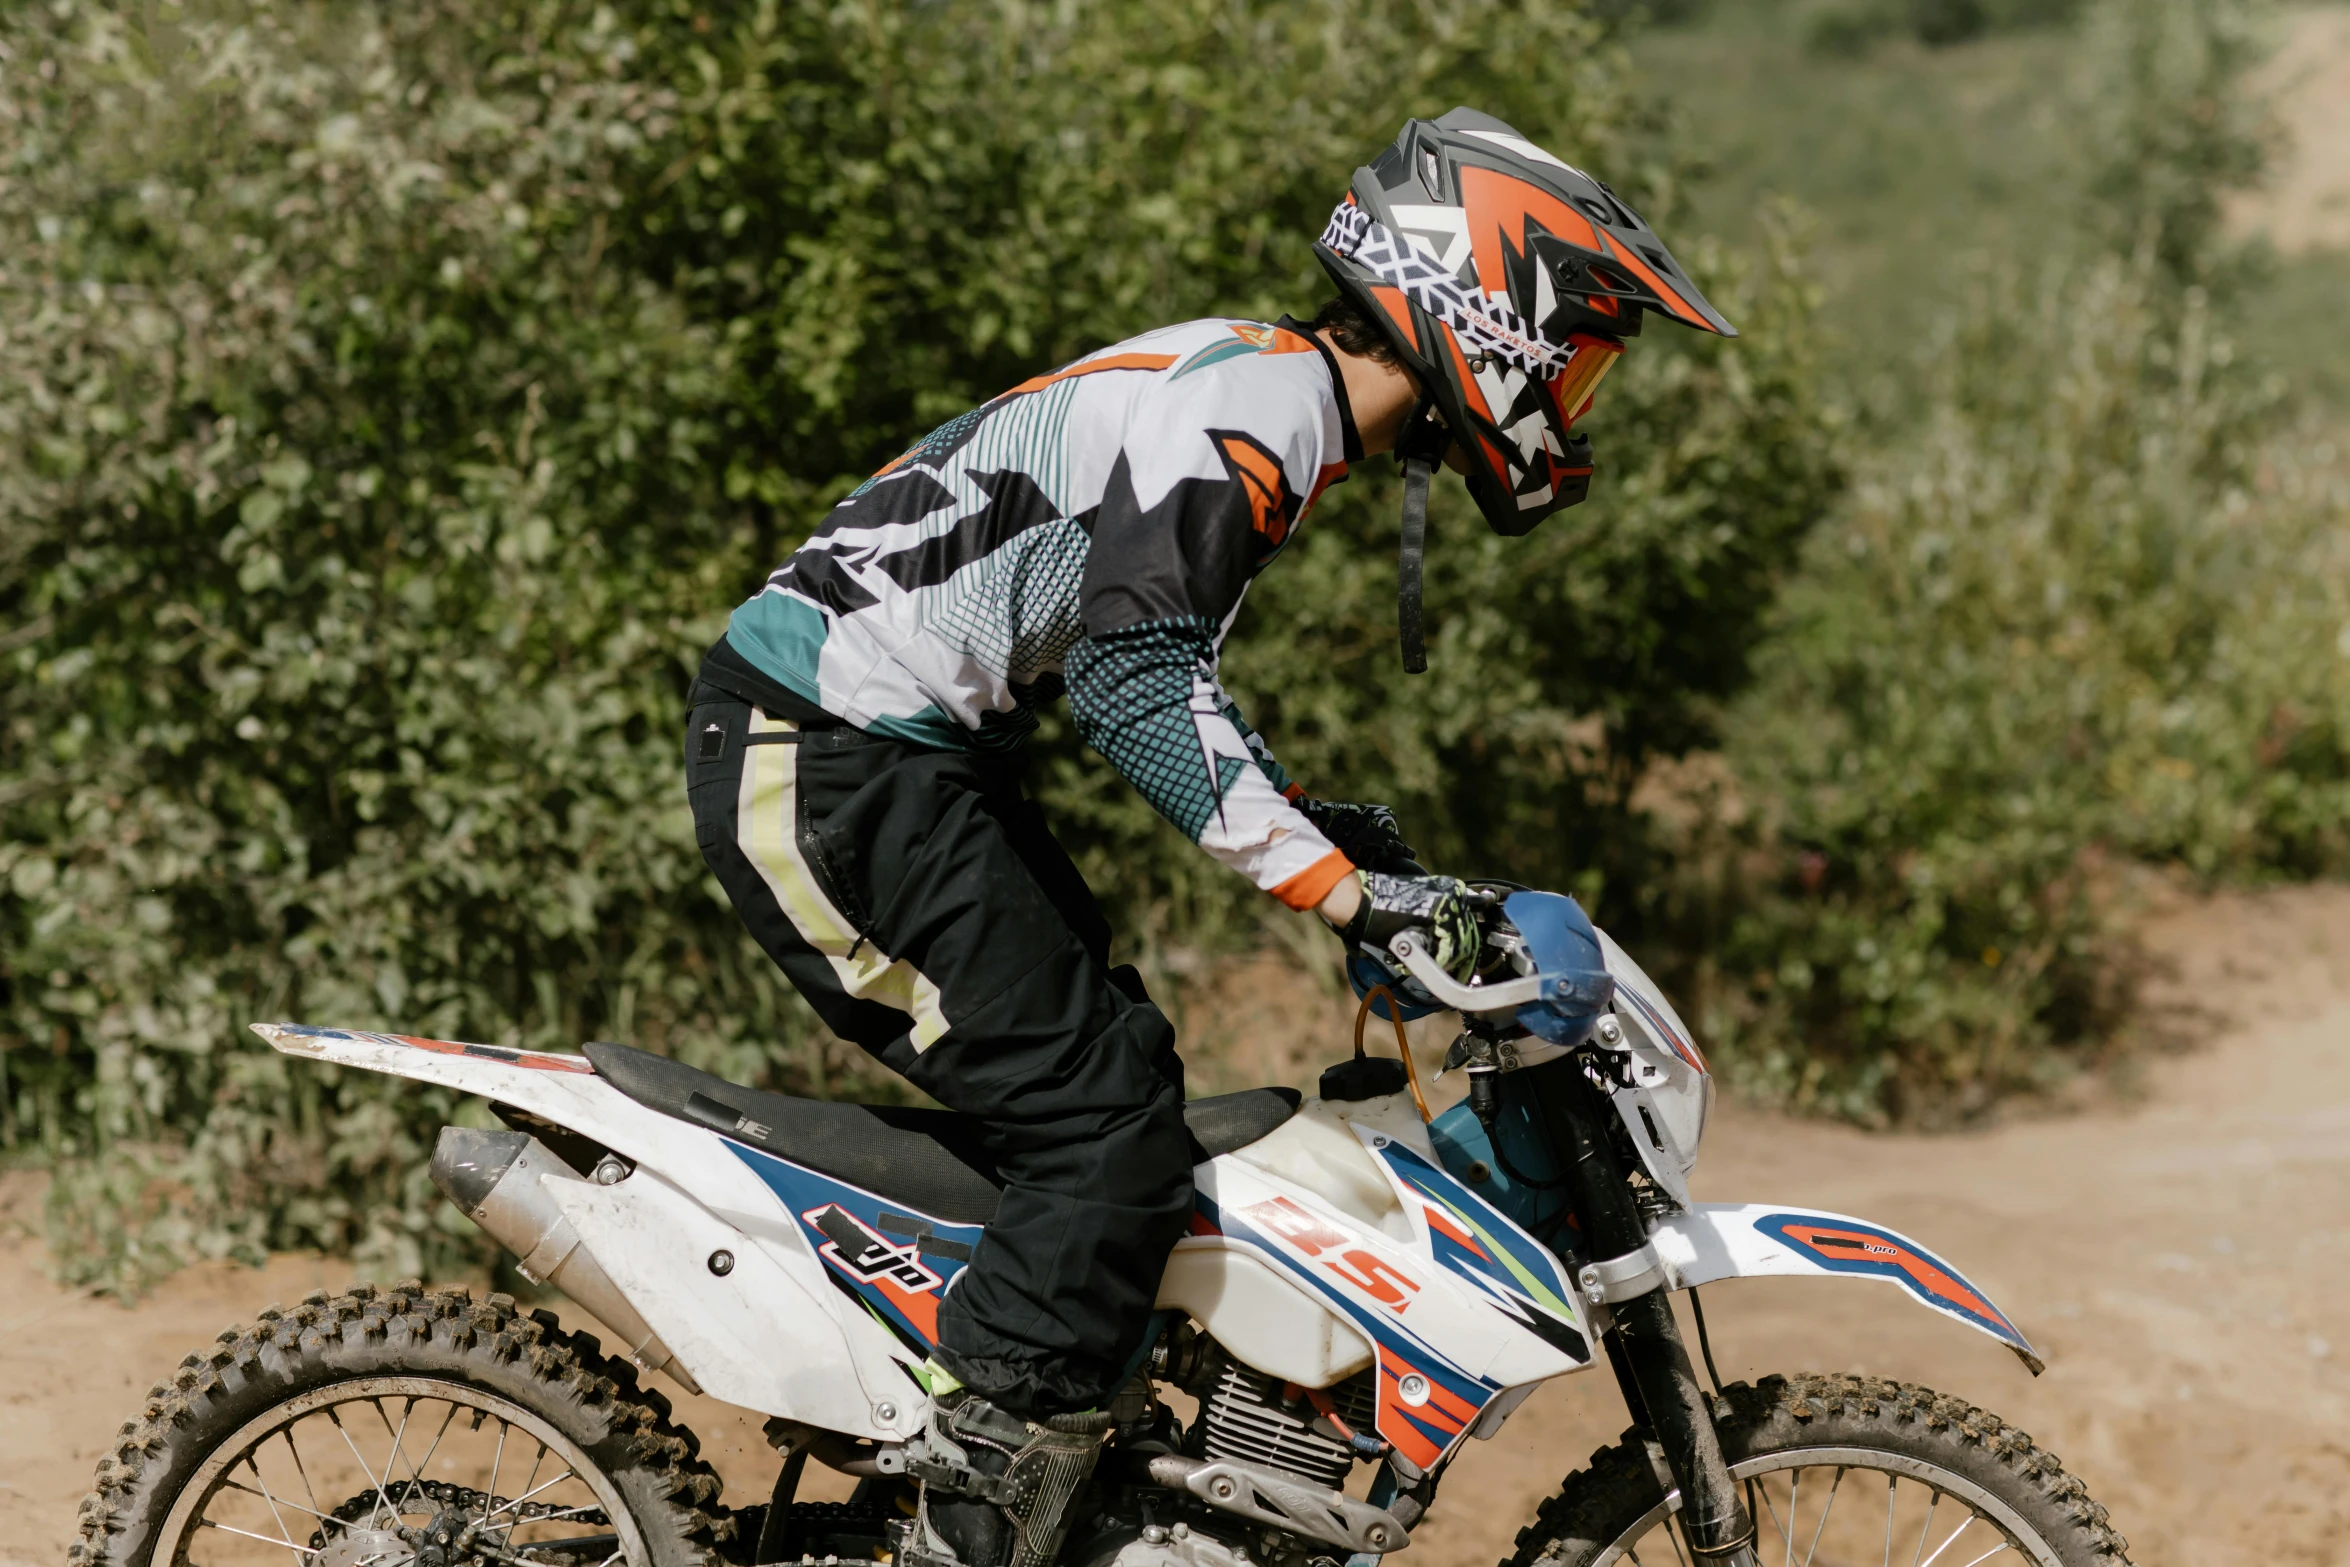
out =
column 2181, row 1259
column 2304, row 202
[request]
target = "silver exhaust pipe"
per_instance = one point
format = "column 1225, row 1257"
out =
column 496, row 1180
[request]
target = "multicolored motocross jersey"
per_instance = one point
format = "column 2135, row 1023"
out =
column 1091, row 530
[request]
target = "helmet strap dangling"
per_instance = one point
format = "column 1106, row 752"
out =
column 1419, row 448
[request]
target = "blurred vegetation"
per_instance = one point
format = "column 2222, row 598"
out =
column 396, row 399
column 2085, row 617
column 1849, row 27
column 2003, row 148
column 2086, row 608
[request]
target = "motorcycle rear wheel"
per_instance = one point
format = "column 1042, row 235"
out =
column 344, row 1430
column 1922, row 1480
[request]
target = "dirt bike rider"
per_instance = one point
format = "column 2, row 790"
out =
column 851, row 750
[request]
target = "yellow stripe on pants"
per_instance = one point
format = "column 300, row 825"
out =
column 767, row 817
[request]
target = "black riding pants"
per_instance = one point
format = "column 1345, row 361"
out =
column 916, row 899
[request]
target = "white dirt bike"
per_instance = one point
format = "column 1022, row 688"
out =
column 1363, row 1289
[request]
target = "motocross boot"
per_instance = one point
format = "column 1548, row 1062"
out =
column 996, row 1489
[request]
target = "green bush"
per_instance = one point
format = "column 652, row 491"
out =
column 2089, row 611
column 1853, row 26
column 396, row 398
column 2086, row 618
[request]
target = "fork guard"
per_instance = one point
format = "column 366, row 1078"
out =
column 1714, row 1241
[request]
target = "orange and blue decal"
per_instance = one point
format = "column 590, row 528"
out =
column 1473, row 1240
column 1426, row 1402
column 1848, row 1246
column 897, row 1262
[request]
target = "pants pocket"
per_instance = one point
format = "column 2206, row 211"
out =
column 713, row 768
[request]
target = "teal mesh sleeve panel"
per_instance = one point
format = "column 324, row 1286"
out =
column 1257, row 748
column 1130, row 692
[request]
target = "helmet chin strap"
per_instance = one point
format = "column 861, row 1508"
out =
column 1419, row 448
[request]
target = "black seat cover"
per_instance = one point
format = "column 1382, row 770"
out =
column 932, row 1160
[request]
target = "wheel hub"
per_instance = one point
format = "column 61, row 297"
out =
column 352, row 1537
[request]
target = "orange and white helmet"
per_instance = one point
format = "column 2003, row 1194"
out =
column 1507, row 281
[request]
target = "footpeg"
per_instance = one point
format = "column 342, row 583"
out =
column 1268, row 1496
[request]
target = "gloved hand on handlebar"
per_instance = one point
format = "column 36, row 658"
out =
column 1365, row 834
column 1443, row 907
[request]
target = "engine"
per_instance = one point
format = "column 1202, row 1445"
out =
column 1261, row 1479
column 1247, row 1417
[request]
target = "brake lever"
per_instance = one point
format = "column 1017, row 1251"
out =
column 1410, row 950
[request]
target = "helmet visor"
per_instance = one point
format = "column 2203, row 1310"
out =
column 1572, row 389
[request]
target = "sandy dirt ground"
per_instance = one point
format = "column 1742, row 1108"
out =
column 2180, row 1253
column 2304, row 203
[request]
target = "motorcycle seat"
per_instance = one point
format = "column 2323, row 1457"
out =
column 934, row 1161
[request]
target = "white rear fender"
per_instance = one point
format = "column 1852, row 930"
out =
column 1714, row 1241
column 776, row 1335
column 752, row 1335
column 565, row 1090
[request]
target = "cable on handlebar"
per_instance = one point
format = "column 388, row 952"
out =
column 1411, row 1069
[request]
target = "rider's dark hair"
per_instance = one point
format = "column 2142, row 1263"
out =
column 1353, row 331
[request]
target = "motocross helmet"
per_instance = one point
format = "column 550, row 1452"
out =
column 1507, row 282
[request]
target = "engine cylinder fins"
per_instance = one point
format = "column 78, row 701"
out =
column 1248, row 1419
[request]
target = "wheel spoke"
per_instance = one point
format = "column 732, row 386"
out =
column 496, row 1459
column 1954, row 1534
column 1933, row 1500
column 565, row 1505
column 1785, row 1533
column 526, row 1496
column 299, row 1468
column 1921, row 1472
column 492, row 1512
column 398, row 1436
column 275, row 1516
column 417, row 1468
column 298, row 1550
column 1794, row 1501
column 334, row 1417
column 1826, row 1508
column 275, row 1502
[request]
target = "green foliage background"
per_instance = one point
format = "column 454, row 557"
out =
column 397, row 399
column 394, row 400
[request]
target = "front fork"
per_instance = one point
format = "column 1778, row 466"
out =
column 1645, row 1343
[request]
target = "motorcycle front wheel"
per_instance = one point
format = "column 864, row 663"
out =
column 1844, row 1470
column 400, row 1428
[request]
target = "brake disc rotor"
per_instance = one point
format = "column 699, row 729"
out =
column 365, row 1548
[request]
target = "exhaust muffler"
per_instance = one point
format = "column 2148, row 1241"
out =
column 497, row 1179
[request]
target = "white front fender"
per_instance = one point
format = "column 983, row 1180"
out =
column 1713, row 1241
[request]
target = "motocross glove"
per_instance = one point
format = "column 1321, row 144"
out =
column 1365, row 834
column 1440, row 906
